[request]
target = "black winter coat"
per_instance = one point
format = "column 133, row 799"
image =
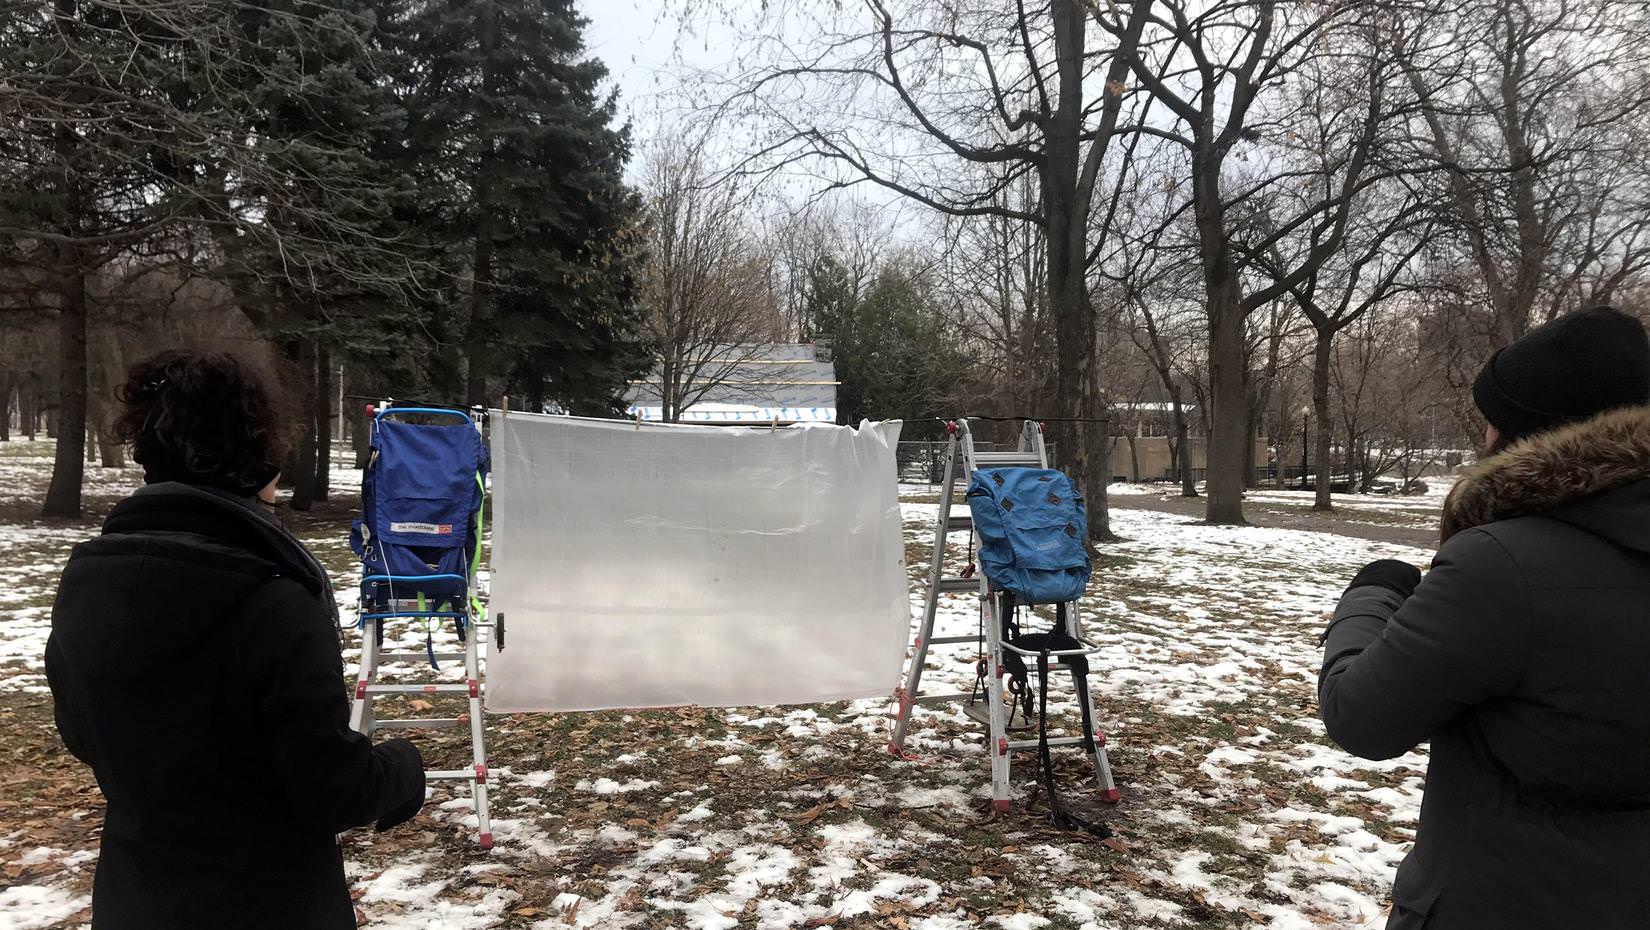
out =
column 194, row 664
column 1524, row 656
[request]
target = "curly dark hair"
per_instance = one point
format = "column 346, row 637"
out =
column 203, row 418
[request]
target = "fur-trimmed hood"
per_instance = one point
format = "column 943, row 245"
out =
column 1565, row 473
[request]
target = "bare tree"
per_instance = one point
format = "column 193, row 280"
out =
column 851, row 236
column 998, row 273
column 704, row 283
column 949, row 107
column 1210, row 66
column 1379, row 386
column 1389, row 220
column 1536, row 112
column 1153, row 268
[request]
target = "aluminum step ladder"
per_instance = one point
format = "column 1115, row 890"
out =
column 367, row 687
column 466, row 619
column 961, row 462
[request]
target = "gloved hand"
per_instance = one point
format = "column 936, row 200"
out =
column 407, row 758
column 1391, row 574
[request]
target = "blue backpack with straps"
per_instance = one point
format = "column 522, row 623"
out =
column 421, row 496
column 1032, row 524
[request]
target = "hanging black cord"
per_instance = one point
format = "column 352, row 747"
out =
column 408, row 402
column 1018, row 688
column 1045, row 762
column 1023, row 417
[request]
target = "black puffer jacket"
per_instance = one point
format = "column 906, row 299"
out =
column 1524, row 656
column 194, row 664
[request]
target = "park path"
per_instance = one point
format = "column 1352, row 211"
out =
column 1359, row 518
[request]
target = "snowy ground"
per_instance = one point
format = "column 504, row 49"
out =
column 1236, row 812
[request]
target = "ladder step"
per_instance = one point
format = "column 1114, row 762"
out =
column 434, row 723
column 943, row 698
column 1052, row 741
column 979, row 712
column 459, row 688
column 958, row 586
column 1007, row 460
column 409, row 603
column 952, row 640
column 958, row 522
column 419, row 657
column 451, row 775
column 383, row 616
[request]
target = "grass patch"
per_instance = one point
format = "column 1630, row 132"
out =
column 1218, row 843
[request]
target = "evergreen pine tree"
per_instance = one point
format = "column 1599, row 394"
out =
column 892, row 355
column 519, row 170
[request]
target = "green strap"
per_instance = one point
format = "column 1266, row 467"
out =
column 475, row 560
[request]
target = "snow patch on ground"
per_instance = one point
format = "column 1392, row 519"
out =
column 28, row 907
column 609, row 786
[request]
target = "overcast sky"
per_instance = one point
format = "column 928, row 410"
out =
column 648, row 54
column 643, row 47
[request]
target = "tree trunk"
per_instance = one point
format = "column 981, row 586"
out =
column 476, row 346
column 69, row 469
column 1103, row 429
column 1085, row 445
column 1183, row 440
column 361, row 437
column 28, row 410
column 1251, row 438
column 113, row 454
column 300, row 465
column 1229, row 421
column 6, row 384
column 1134, row 459
column 102, row 386
column 360, row 425
column 1320, row 409
column 670, row 404
column 481, row 282
column 69, row 424
column 323, row 400
column 1228, row 347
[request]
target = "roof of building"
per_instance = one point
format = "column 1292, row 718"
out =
column 783, row 382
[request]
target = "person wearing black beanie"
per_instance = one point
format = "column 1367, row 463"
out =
column 1569, row 370
column 1523, row 655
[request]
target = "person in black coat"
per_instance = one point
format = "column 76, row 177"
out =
column 1524, row 654
column 194, row 665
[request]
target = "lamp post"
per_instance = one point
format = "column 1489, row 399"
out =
column 1306, row 412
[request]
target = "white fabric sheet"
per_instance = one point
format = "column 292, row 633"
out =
column 668, row 565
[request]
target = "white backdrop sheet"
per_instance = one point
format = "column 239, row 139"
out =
column 668, row 565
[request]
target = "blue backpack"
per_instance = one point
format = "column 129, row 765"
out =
column 1031, row 524
column 421, row 496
